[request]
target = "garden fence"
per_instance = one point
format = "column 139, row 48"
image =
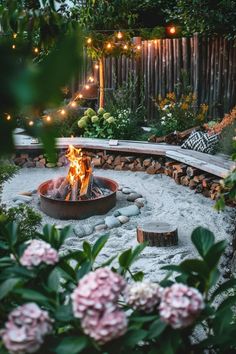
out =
column 209, row 62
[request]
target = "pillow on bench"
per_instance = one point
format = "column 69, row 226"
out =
column 202, row 142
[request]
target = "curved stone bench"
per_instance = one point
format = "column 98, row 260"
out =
column 218, row 165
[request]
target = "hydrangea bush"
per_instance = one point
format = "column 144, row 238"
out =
column 57, row 302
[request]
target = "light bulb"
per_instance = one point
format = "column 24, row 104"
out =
column 36, row 50
column 73, row 104
column 31, row 123
column 172, row 30
column 96, row 66
column 80, row 95
column 89, row 40
column 119, row 35
column 108, row 45
column 48, row 119
column 8, row 117
column 125, row 47
column 14, row 35
column 91, row 79
column 87, row 87
column 13, row 46
column 63, row 112
column 138, row 47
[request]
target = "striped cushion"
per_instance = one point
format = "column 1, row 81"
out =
column 202, row 142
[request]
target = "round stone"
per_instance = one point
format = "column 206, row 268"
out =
column 100, row 227
column 140, row 202
column 112, row 221
column 123, row 219
column 126, row 190
column 133, row 196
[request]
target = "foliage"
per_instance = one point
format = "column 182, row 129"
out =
column 7, row 171
column 179, row 114
column 28, row 85
column 213, row 17
column 28, row 220
column 227, row 135
column 50, row 287
column 98, row 124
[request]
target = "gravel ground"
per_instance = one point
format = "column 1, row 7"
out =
column 166, row 202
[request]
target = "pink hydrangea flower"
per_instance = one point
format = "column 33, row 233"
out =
column 180, row 305
column 106, row 326
column 98, row 290
column 143, row 296
column 38, row 252
column 25, row 329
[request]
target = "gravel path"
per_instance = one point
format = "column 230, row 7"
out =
column 166, row 201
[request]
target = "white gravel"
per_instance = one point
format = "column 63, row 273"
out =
column 166, row 201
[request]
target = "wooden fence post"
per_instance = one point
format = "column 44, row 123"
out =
column 101, row 83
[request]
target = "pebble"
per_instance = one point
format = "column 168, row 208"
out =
column 127, row 190
column 123, row 219
column 99, row 222
column 79, row 231
column 22, row 198
column 100, row 227
column 133, row 196
column 50, row 165
column 112, row 221
column 140, row 202
column 88, row 229
column 130, row 210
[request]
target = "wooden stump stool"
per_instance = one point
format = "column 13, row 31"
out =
column 157, row 234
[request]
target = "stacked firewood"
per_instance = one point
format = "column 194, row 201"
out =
column 201, row 182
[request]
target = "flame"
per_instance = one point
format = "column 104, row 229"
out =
column 79, row 174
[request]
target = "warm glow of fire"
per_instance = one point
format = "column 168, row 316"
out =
column 80, row 173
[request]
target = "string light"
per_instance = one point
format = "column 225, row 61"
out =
column 73, row 104
column 172, row 30
column 119, row 35
column 36, row 50
column 125, row 47
column 63, row 112
column 138, row 47
column 108, row 45
column 14, row 35
column 13, row 46
column 91, row 79
column 80, row 95
column 8, row 117
column 96, row 66
column 31, row 123
column 89, row 40
column 48, row 119
column 87, row 87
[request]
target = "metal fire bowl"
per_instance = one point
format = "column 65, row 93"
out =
column 79, row 209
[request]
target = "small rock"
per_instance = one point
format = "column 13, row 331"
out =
column 88, row 229
column 29, row 164
column 58, row 227
column 140, row 202
column 79, row 231
column 130, row 210
column 112, row 221
column 40, row 164
column 100, row 227
column 22, row 198
column 133, row 196
column 59, row 164
column 126, row 190
column 28, row 194
column 99, row 222
column 116, row 213
column 50, row 165
column 123, row 219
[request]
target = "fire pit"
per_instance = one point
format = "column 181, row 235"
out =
column 79, row 195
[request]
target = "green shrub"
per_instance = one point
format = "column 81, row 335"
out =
column 7, row 171
column 227, row 134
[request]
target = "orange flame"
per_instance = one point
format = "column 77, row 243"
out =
column 79, row 174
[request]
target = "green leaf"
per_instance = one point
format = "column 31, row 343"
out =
column 12, row 229
column 215, row 252
column 87, row 250
column 133, row 337
column 64, row 313
column 32, row 295
column 98, row 246
column 84, row 269
column 7, row 286
column 156, row 328
column 195, row 266
column 72, row 345
column 203, row 240
column 124, row 258
column 229, row 284
column 138, row 276
column 54, row 280
column 172, row 267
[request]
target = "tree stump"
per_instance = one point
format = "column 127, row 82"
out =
column 157, row 234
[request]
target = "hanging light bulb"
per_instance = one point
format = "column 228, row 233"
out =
column 91, row 79
column 89, row 40
column 80, row 95
column 63, row 112
column 108, row 45
column 48, row 119
column 125, row 47
column 119, row 35
column 31, row 123
column 13, row 46
column 36, row 50
column 8, row 117
column 14, row 35
column 172, row 30
column 96, row 66
column 87, row 87
column 138, row 47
